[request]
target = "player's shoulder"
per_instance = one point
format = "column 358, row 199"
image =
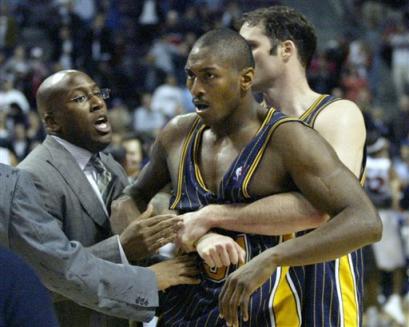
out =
column 178, row 127
column 290, row 128
column 340, row 115
column 342, row 110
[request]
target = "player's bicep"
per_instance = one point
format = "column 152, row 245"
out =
column 318, row 173
column 343, row 127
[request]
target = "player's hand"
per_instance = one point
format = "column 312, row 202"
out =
column 241, row 284
column 180, row 270
column 193, row 228
column 219, row 250
column 145, row 235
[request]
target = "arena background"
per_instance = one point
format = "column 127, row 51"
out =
column 138, row 49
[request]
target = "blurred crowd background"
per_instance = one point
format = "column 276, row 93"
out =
column 138, row 49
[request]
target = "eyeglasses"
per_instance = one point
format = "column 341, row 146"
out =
column 101, row 94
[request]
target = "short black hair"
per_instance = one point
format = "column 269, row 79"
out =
column 230, row 45
column 283, row 23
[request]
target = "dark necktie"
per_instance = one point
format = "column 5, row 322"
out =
column 104, row 176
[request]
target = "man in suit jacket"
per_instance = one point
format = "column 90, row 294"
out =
column 68, row 169
column 66, row 267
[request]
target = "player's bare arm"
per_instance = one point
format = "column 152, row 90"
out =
column 328, row 185
column 158, row 230
column 343, row 127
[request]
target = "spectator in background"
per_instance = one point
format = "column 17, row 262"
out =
column 167, row 98
column 191, row 22
column 321, row 76
column 232, row 15
column 17, row 65
column 173, row 28
column 7, row 157
column 4, row 132
column 35, row 131
column 399, row 41
column 352, row 83
column 20, row 143
column 64, row 49
column 98, row 43
column 84, row 9
column 400, row 126
column 145, row 120
column 8, row 28
column 15, row 115
column 401, row 164
column 9, row 94
column 134, row 156
column 379, row 121
column 38, row 70
column 149, row 15
column 360, row 58
column 383, row 186
column 162, row 52
column 120, row 119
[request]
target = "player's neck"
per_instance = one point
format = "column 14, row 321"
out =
column 244, row 117
column 291, row 94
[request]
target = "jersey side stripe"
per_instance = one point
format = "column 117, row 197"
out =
column 182, row 164
column 284, row 304
column 348, row 289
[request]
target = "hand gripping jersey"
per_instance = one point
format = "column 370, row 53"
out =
column 277, row 302
column 334, row 289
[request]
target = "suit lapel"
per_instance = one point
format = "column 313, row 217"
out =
column 75, row 178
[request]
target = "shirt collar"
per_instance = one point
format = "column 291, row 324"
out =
column 81, row 155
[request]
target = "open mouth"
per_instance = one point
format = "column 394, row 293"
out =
column 200, row 106
column 102, row 125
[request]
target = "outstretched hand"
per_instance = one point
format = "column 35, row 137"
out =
column 145, row 235
column 241, row 284
column 177, row 271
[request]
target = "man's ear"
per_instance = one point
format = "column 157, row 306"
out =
column 246, row 79
column 51, row 123
column 287, row 49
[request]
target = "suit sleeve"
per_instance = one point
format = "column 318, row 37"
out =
column 67, row 268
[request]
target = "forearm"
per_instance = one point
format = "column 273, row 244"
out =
column 343, row 234
column 70, row 270
column 138, row 197
column 107, row 249
column 274, row 215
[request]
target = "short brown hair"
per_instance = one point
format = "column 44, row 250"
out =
column 284, row 23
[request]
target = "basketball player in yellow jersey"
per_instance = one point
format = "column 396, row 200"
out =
column 283, row 43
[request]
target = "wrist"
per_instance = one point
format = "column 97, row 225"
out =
column 275, row 259
column 210, row 215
